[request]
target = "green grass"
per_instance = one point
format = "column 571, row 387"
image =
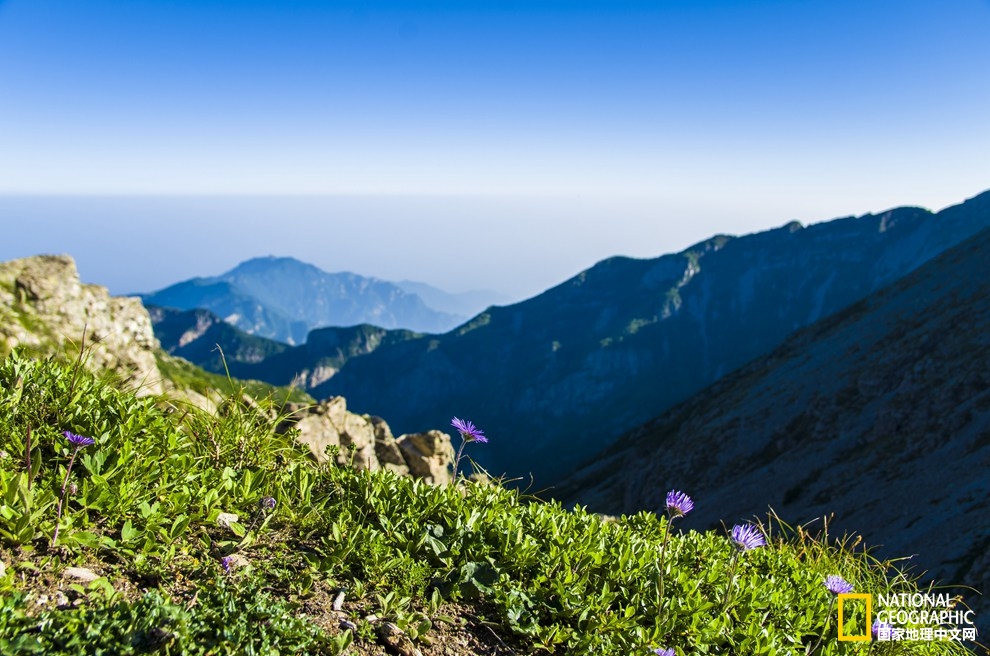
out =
column 544, row 579
column 188, row 376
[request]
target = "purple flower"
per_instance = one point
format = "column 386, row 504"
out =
column 267, row 503
column 664, row 652
column 747, row 536
column 227, row 562
column 678, row 503
column 78, row 440
column 469, row 432
column 838, row 585
column 881, row 630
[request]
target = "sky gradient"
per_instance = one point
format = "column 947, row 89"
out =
column 647, row 125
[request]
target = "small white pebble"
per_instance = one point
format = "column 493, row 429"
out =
column 226, row 519
column 237, row 561
column 80, row 574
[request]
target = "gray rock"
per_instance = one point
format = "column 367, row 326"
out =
column 330, row 424
column 387, row 449
column 366, row 442
column 44, row 307
column 226, row 519
column 80, row 574
column 237, row 561
column 428, row 455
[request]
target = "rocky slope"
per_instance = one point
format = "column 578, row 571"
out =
column 283, row 299
column 556, row 378
column 879, row 414
column 44, row 309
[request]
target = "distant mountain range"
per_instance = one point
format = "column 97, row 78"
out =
column 557, row 378
column 465, row 304
column 284, row 299
column 879, row 414
column 839, row 368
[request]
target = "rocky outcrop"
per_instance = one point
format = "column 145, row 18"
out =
column 44, row 308
column 429, row 455
column 366, row 442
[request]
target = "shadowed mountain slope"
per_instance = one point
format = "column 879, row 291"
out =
column 880, row 414
column 556, row 378
column 196, row 334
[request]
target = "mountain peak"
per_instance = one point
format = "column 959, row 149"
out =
column 283, row 298
column 270, row 263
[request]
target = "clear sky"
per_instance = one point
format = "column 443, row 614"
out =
column 472, row 143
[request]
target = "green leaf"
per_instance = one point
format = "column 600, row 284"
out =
column 128, row 532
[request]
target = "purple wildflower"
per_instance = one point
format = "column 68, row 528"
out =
column 664, row 652
column 881, row 630
column 838, row 585
column 78, row 440
column 747, row 536
column 227, row 562
column 678, row 503
column 469, row 432
column 267, row 503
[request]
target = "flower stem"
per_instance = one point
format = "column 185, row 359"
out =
column 27, row 457
column 61, row 498
column 663, row 554
column 457, row 460
column 828, row 616
column 732, row 576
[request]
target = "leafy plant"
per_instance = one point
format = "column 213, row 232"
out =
column 145, row 519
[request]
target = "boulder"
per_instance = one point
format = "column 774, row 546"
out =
column 429, row 455
column 387, row 449
column 366, row 442
column 328, row 423
column 44, row 307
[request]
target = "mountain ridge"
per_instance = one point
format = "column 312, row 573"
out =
column 560, row 375
column 213, row 344
column 283, row 298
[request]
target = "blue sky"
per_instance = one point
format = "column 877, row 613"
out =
column 540, row 135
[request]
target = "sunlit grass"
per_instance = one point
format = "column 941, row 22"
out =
column 145, row 502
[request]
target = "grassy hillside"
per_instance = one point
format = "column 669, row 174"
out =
column 463, row 569
column 187, row 376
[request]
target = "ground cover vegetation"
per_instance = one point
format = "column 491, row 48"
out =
column 137, row 525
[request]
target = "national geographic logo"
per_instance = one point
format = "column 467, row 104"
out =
column 908, row 617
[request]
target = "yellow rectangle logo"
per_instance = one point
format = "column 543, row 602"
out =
column 868, row 598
